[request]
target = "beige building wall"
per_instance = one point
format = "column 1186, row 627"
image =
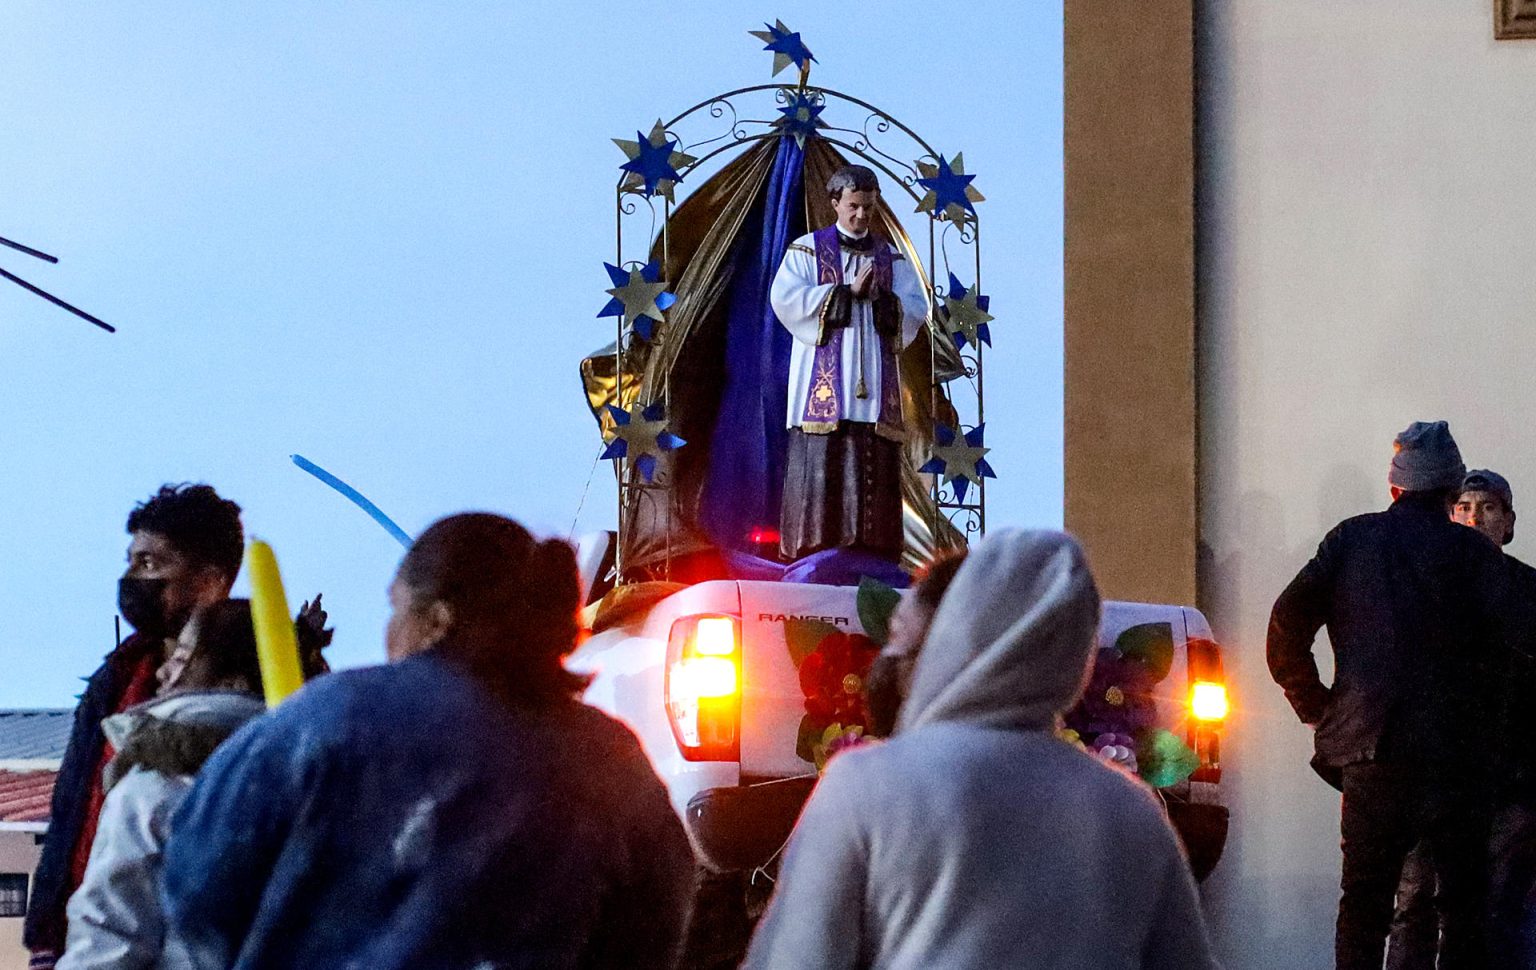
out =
column 1129, row 436
column 18, row 853
column 1367, row 254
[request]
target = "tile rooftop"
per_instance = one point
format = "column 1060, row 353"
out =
column 25, row 796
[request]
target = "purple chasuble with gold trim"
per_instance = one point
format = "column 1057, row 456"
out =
column 824, row 403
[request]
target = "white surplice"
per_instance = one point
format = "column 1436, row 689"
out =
column 798, row 299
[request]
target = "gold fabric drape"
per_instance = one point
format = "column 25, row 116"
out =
column 700, row 233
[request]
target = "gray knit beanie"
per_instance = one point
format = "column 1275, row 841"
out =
column 1426, row 458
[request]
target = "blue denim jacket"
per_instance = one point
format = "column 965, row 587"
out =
column 403, row 817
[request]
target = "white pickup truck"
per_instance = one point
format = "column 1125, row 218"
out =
column 708, row 676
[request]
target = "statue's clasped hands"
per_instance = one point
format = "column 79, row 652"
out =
column 863, row 285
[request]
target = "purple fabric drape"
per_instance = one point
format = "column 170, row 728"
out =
column 746, row 475
column 829, row 567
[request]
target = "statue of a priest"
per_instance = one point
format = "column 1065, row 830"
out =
column 852, row 302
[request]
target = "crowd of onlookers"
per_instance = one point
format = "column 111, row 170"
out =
column 460, row 807
column 1425, row 725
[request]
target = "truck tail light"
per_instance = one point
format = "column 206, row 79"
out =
column 703, row 687
column 1208, row 701
column 1208, row 707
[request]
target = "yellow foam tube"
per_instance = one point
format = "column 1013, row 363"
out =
column 277, row 646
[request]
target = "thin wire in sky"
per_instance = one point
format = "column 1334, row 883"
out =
column 44, row 293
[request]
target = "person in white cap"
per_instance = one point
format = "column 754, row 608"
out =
column 1414, row 606
column 976, row 838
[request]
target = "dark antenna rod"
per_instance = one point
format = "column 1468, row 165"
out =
column 44, row 293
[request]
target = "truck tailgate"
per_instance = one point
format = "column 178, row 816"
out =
column 772, row 704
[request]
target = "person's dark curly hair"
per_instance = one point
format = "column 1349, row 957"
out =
column 199, row 523
column 513, row 600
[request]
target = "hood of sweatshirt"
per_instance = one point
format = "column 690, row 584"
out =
column 223, row 710
column 1011, row 643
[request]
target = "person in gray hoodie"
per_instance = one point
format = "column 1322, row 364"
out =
column 975, row 838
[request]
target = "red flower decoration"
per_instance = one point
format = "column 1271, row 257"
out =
column 832, row 678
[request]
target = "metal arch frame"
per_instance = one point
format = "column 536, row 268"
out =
column 741, row 132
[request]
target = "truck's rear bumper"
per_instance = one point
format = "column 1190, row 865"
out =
column 1203, row 830
column 742, row 828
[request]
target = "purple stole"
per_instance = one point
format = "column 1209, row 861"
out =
column 824, row 402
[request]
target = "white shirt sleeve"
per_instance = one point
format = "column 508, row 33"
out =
column 914, row 302
column 115, row 921
column 796, row 296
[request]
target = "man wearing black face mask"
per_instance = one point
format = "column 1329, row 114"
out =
column 185, row 549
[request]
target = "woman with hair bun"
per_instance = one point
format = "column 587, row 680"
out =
column 459, row 807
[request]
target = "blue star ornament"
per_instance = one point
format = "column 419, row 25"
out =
column 654, row 162
column 950, row 192
column 961, row 459
column 802, row 116
column 786, row 45
column 965, row 314
column 640, row 434
column 638, row 296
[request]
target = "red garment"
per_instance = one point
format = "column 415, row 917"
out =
column 141, row 687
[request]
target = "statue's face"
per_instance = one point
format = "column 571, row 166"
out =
column 855, row 210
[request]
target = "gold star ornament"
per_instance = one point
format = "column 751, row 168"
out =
column 967, row 316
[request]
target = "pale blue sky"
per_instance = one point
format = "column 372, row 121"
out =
column 372, row 234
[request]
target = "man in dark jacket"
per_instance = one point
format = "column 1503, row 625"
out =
column 1413, row 606
column 185, row 549
column 1487, row 504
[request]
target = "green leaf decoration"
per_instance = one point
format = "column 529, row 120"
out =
column 804, row 636
column 1163, row 759
column 832, row 733
column 1151, row 644
column 877, row 602
column 806, row 740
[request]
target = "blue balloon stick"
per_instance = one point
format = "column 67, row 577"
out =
column 357, row 498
